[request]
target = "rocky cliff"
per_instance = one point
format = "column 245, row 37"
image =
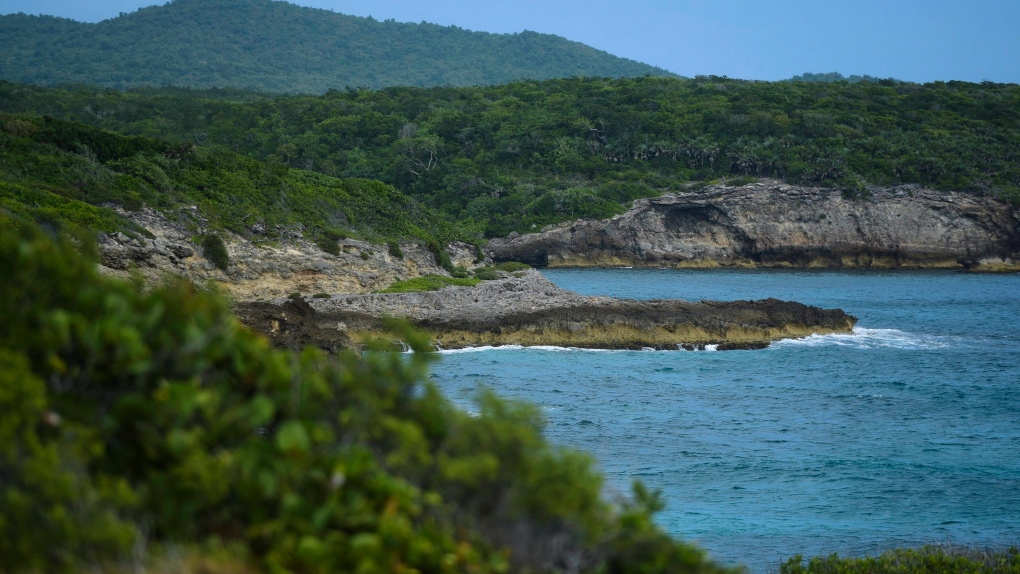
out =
column 772, row 224
column 268, row 270
column 527, row 309
column 521, row 308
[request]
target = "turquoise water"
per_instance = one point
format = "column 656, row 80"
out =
column 904, row 433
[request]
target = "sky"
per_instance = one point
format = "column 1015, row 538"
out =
column 912, row 40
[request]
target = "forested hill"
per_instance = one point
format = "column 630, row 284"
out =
column 510, row 157
column 280, row 47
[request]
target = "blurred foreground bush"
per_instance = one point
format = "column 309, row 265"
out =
column 933, row 559
column 132, row 424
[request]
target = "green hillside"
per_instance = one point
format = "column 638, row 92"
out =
column 510, row 157
column 65, row 175
column 280, row 47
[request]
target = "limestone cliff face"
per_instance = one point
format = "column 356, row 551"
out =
column 266, row 271
column 771, row 224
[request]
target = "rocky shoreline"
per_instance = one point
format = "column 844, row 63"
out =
column 527, row 309
column 775, row 225
column 764, row 224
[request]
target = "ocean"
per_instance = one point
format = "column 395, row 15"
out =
column 904, row 433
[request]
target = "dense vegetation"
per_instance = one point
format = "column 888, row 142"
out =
column 834, row 77
column 281, row 47
column 929, row 559
column 132, row 421
column 63, row 174
column 507, row 158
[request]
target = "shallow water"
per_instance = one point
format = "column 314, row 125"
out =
column 903, row 433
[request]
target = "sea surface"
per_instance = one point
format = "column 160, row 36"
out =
column 904, row 433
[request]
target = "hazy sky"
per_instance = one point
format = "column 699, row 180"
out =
column 916, row 40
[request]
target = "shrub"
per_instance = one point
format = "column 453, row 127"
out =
column 511, row 266
column 395, row 250
column 459, row 272
column 486, row 274
column 960, row 560
column 294, row 295
column 215, row 251
column 329, row 245
column 365, row 255
column 428, row 283
column 442, row 257
column 40, row 459
column 741, row 181
column 322, row 296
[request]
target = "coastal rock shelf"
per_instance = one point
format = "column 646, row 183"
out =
column 527, row 309
column 772, row 224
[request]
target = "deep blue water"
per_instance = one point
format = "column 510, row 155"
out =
column 905, row 433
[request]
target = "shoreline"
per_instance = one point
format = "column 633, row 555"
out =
column 527, row 309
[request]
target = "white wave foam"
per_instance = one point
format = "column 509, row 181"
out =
column 865, row 338
column 545, row 348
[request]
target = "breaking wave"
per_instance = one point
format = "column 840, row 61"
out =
column 865, row 338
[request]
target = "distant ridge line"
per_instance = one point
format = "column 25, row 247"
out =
column 276, row 46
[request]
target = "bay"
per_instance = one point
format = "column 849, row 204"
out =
column 905, row 432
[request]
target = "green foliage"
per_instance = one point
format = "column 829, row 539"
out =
column 519, row 156
column 493, row 272
column 429, row 283
column 486, row 274
column 321, row 296
column 441, row 256
column 121, row 411
column 365, row 255
column 837, row 77
column 215, row 251
column 739, row 181
column 909, row 561
column 52, row 513
column 395, row 250
column 511, row 266
column 281, row 47
column 63, row 186
column 60, row 213
column 328, row 245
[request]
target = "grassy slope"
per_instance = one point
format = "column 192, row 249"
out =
column 282, row 47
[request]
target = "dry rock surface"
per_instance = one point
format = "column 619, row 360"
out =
column 266, row 271
column 527, row 309
column 772, row 224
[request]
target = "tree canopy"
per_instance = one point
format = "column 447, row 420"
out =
column 66, row 174
column 280, row 47
column 503, row 158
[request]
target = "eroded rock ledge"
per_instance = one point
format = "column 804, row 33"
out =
column 772, row 224
column 292, row 264
column 527, row 309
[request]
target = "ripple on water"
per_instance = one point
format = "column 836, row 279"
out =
column 901, row 433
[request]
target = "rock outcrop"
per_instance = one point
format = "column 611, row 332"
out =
column 527, row 309
column 771, row 224
column 268, row 270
